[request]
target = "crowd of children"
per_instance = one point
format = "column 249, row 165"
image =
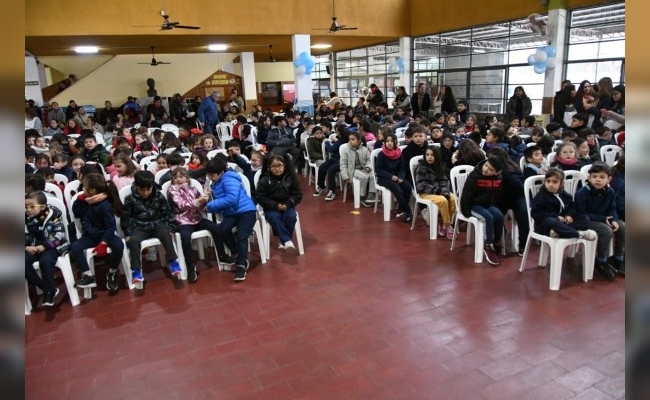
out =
column 503, row 156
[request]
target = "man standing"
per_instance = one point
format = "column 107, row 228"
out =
column 56, row 113
column 421, row 101
column 207, row 113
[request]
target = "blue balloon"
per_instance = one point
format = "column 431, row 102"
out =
column 549, row 50
column 400, row 65
column 539, row 67
column 531, row 59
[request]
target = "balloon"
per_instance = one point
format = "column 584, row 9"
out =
column 539, row 67
column 531, row 59
column 550, row 63
column 300, row 71
column 540, row 56
column 400, row 65
column 550, row 50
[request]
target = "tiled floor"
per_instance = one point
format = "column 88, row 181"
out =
column 372, row 310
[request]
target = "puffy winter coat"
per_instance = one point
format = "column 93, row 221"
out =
column 47, row 229
column 230, row 197
column 145, row 214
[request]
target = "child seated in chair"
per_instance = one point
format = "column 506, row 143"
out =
column 535, row 162
column 183, row 198
column 45, row 241
column 96, row 207
column 146, row 215
column 478, row 199
column 278, row 192
column 554, row 212
column 597, row 200
column 392, row 175
column 355, row 163
column 432, row 183
column 315, row 146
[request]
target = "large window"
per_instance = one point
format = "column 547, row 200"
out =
column 482, row 64
column 596, row 44
column 320, row 79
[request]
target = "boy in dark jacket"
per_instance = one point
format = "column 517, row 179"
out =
column 417, row 147
column 146, row 215
column 598, row 201
column 478, row 199
column 554, row 213
column 94, row 152
column 45, row 241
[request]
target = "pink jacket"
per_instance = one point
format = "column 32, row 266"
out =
column 182, row 198
column 121, row 181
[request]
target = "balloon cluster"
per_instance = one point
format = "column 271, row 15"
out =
column 542, row 59
column 304, row 64
column 395, row 65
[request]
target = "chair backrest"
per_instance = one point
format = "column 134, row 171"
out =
column 187, row 157
column 213, row 153
column 125, row 191
column 148, row 163
column 401, row 147
column 550, row 157
column 585, row 170
column 531, row 144
column 573, row 181
column 556, row 143
column 256, row 178
column 532, row 185
column 70, row 190
column 399, row 132
column 371, row 144
column 458, row 176
column 170, row 128
column 53, row 201
column 373, row 156
column 522, row 163
column 610, row 153
column 246, row 183
column 55, row 190
column 77, row 221
column 413, row 164
column 61, row 179
column 160, row 174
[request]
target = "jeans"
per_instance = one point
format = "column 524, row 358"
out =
column 186, row 237
column 160, row 232
column 605, row 235
column 328, row 169
column 493, row 222
column 282, row 223
column 580, row 223
column 237, row 242
column 401, row 191
column 77, row 251
column 46, row 262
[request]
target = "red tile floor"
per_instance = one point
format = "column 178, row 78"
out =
column 372, row 310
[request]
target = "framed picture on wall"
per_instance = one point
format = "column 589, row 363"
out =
column 210, row 89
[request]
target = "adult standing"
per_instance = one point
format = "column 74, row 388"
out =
column 421, row 101
column 519, row 105
column 613, row 115
column 108, row 114
column 448, row 100
column 72, row 110
column 208, row 116
column 402, row 99
column 237, row 99
column 56, row 113
column 334, row 102
column 437, row 101
column 376, row 96
column 558, row 94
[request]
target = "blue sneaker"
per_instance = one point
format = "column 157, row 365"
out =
column 136, row 275
column 175, row 268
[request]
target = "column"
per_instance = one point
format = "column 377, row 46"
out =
column 248, row 79
column 556, row 31
column 33, row 81
column 304, row 100
column 405, row 54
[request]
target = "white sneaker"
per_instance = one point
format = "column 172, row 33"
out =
column 330, row 196
column 281, row 247
column 588, row 235
column 289, row 245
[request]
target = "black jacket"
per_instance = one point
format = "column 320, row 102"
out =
column 512, row 189
column 426, row 103
column 145, row 214
column 479, row 190
column 545, row 204
column 97, row 220
column 273, row 190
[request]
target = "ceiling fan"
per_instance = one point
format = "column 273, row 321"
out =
column 335, row 27
column 154, row 62
column 169, row 25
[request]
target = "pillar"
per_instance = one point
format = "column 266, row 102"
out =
column 303, row 84
column 248, row 79
column 33, row 81
column 405, row 54
column 556, row 31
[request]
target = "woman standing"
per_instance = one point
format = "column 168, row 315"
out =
column 448, row 100
column 519, row 105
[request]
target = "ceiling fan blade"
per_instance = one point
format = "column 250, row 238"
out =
column 144, row 63
column 345, row 28
column 186, row 27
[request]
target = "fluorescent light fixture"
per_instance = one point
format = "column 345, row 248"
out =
column 217, row 47
column 86, row 49
column 321, row 46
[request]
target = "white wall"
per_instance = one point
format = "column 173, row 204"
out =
column 270, row 72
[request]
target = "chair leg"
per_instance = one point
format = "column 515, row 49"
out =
column 415, row 214
column 28, row 302
column 298, row 229
column 557, row 256
column 479, row 239
column 453, row 240
column 356, row 192
column 387, row 199
column 66, row 269
column 525, row 256
column 261, row 239
column 433, row 223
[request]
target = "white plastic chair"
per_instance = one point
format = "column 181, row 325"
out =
column 550, row 157
column 531, row 144
column 212, row 153
column 55, row 190
column 266, row 227
column 314, row 165
column 400, row 132
column 356, row 185
column 386, row 194
column 258, row 229
column 585, row 171
column 159, row 175
column 148, row 163
column 90, row 256
column 61, row 179
column 431, row 206
column 196, row 235
column 555, row 246
column 70, row 190
column 224, row 133
column 610, row 153
column 458, row 177
column 170, row 128
column 62, row 263
column 187, row 156
column 124, row 192
column 556, row 144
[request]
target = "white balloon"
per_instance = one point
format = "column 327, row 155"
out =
column 540, row 55
column 300, row 71
column 550, row 63
column 392, row 61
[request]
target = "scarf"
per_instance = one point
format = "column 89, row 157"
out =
column 567, row 162
column 393, row 154
column 536, row 168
